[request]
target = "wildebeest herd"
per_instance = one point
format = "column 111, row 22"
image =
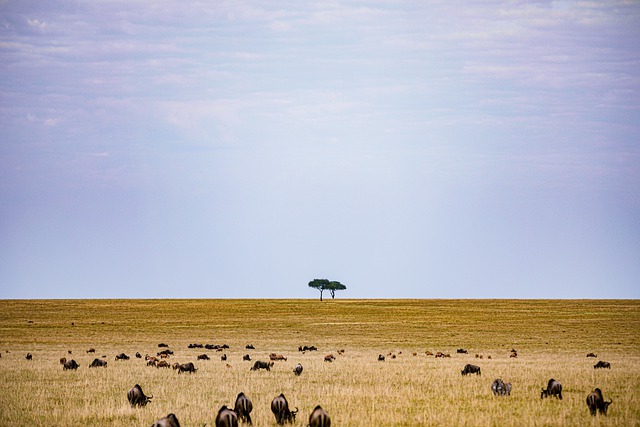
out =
column 243, row 407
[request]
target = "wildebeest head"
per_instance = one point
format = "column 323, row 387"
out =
column 319, row 418
column 137, row 397
column 169, row 421
column 280, row 408
column 226, row 417
column 243, row 408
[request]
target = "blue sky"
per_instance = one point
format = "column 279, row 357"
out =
column 485, row 149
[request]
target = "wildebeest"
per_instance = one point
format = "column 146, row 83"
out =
column 226, row 417
column 262, row 365
column 380, row 358
column 138, row 355
column 165, row 353
column 29, row 356
column 307, row 348
column 298, row 369
column 596, row 402
column 554, row 388
column 122, row 356
column 203, row 357
column 500, row 388
column 602, row 364
column 243, row 408
column 195, row 346
column 246, row 357
column 137, row 397
column 70, row 364
column 250, row 347
column 169, row 421
column 98, row 363
column 462, row 351
column 63, row 360
column 91, row 350
column 471, row 369
column 274, row 356
column 280, row 408
column 329, row 358
column 319, row 418
column 223, row 357
column 163, row 345
column 162, row 364
column 592, row 355
column 186, row 367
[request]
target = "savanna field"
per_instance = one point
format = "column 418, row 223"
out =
column 551, row 338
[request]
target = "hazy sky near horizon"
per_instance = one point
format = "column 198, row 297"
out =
column 486, row 149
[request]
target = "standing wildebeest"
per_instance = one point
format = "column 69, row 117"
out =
column 298, row 369
column 462, row 351
column 168, row 421
column 137, row 397
column 163, row 345
column 122, row 356
column 226, row 417
column 138, row 355
column 471, row 369
column 203, row 357
column 262, row 365
column 98, row 363
column 70, row 364
column 250, row 347
column 592, row 355
column 596, row 402
column 243, row 408
column 280, row 408
column 186, row 367
column 319, row 418
column 602, row 364
column 29, row 356
column 500, row 388
column 380, row 358
column 246, row 357
column 554, row 388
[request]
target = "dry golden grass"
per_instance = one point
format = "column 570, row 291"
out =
column 552, row 339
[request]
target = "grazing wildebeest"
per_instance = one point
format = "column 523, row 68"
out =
column 500, row 388
column 307, row 348
column 471, row 369
column 70, row 364
column 280, row 408
column 329, row 358
column 195, row 346
column 163, row 345
column 319, row 418
column 137, row 397
column 186, row 367
column 246, row 357
column 98, row 363
column 262, row 365
column 592, row 355
column 223, row 357
column 168, row 421
column 380, row 358
column 91, row 350
column 428, row 353
column 203, row 357
column 461, row 351
column 602, row 364
column 554, row 388
column 250, row 347
column 596, row 402
column 122, row 356
column 298, row 369
column 138, row 355
column 226, row 417
column 165, row 353
column 29, row 356
column 243, row 408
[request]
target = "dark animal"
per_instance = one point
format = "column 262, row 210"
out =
column 554, row 388
column 596, row 402
column 274, row 356
column 29, row 356
column 471, row 369
column 138, row 355
column 223, row 357
column 186, row 367
column 380, row 358
column 162, row 364
column 602, row 364
column 195, row 346
column 280, row 408
column 166, row 352
column 63, row 360
column 262, row 365
column 500, row 388
column 307, row 348
column 592, row 355
column 461, row 351
column 91, row 350
column 70, row 364
column 298, row 369
column 98, row 363
column 250, row 347
column 168, row 421
column 246, row 357
column 122, row 356
column 226, row 417
column 137, row 397
column 319, row 418
column 243, row 408
column 329, row 358
column 163, row 345
column 203, row 357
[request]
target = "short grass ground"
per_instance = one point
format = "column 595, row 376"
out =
column 552, row 338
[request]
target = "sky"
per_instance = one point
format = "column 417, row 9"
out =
column 240, row 149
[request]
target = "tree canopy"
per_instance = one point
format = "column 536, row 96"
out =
column 327, row 285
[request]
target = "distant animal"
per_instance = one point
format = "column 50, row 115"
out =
column 91, row 350
column 246, row 357
column 138, row 355
column 169, row 421
column 223, row 357
column 166, row 353
column 70, row 365
column 243, row 408
column 428, row 353
column 226, row 417
column 274, row 356
column 500, row 388
column 319, row 418
column 69, row 351
column 195, row 346
column 163, row 345
column 63, row 360
column 461, row 351
column 341, row 351
column 329, row 358
column 554, row 388
column 471, row 369
column 250, row 347
column 280, row 408
column 262, row 365
column 137, row 397
column 122, row 356
column 298, row 369
column 307, row 348
column 602, row 364
column 203, row 357
column 29, row 356
column 187, row 367
column 163, row 364
column 380, row 358
column 596, row 402
column 98, row 363
column 592, row 355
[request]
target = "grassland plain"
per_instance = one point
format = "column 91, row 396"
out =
column 552, row 338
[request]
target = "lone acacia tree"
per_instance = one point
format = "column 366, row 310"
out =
column 326, row 285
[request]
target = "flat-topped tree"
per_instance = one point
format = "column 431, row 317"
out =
column 332, row 287
column 326, row 285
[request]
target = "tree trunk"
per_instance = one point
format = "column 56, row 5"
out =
column 333, row 294
column 321, row 294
